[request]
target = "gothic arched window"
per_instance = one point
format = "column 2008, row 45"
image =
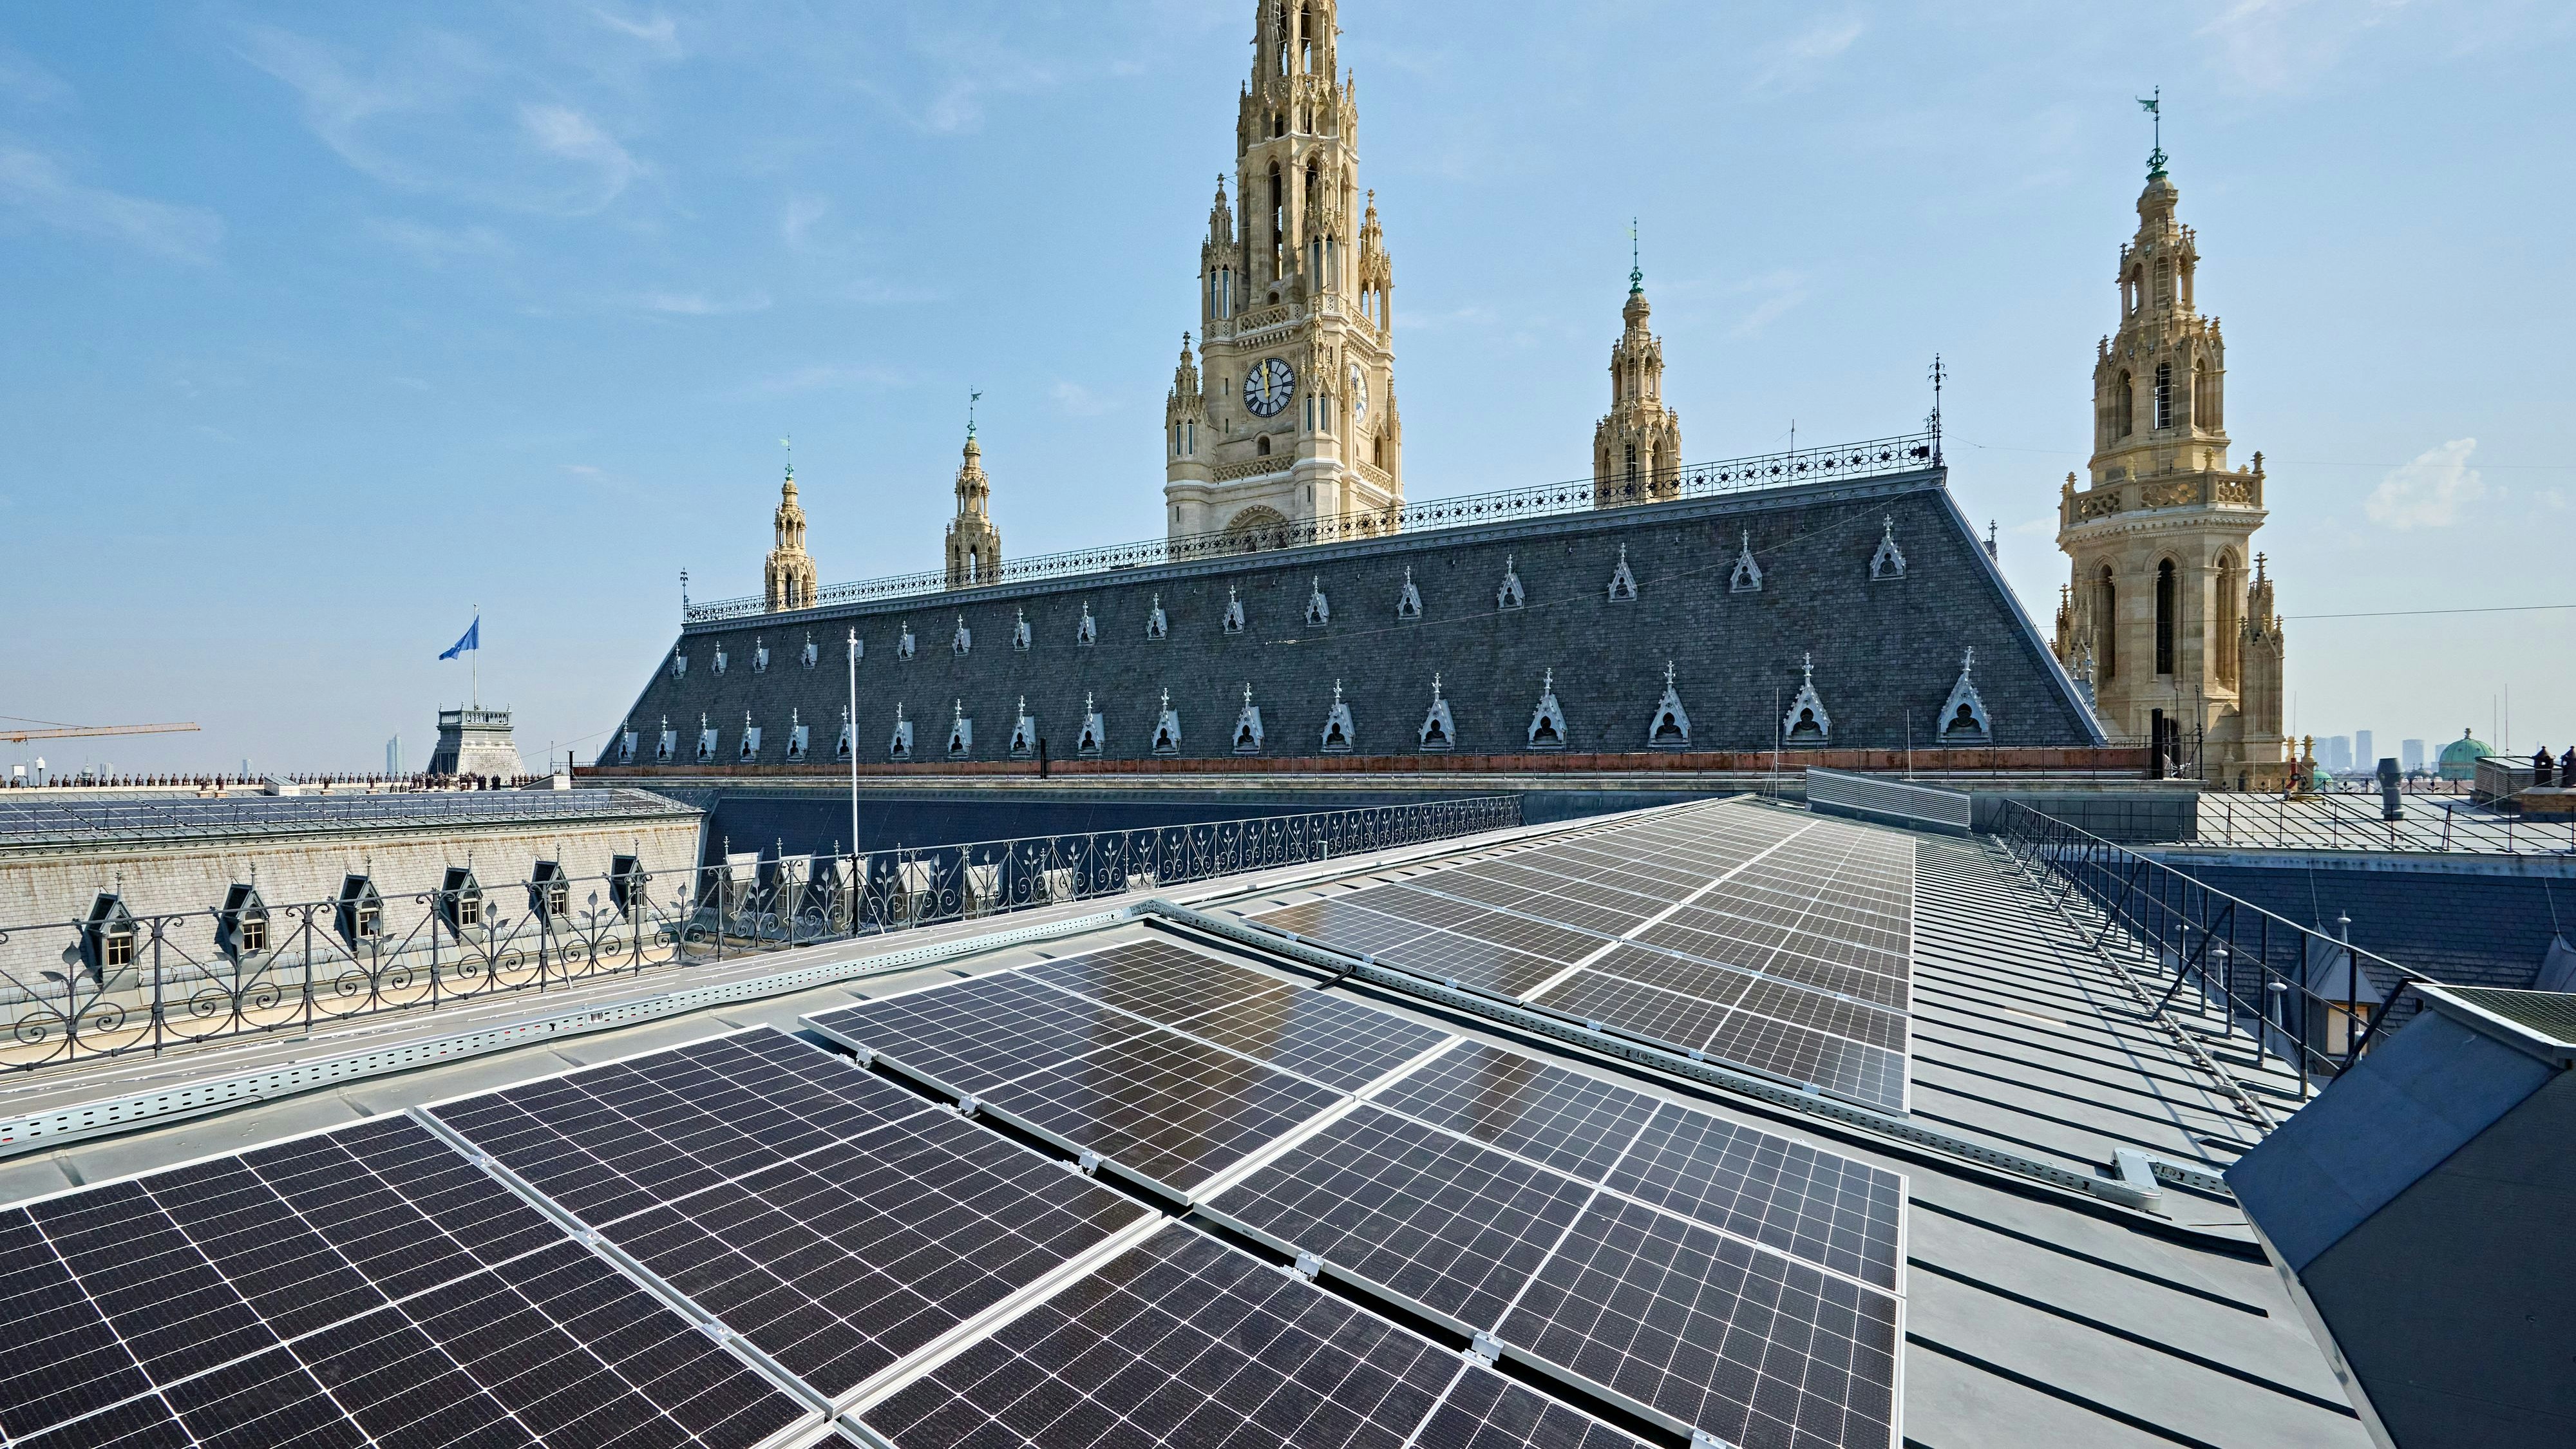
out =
column 1306, row 39
column 2168, row 605
column 2230, row 618
column 2164, row 395
column 2124, row 408
column 1632, row 470
column 1278, row 222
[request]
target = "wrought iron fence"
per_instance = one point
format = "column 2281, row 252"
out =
column 115, row 982
column 1875, row 458
column 2315, row 1000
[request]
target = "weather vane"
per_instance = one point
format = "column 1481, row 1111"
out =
column 2154, row 105
column 973, row 397
column 791, row 456
column 1636, row 264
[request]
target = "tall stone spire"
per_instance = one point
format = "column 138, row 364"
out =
column 788, row 580
column 974, row 544
column 1637, row 448
column 1294, row 325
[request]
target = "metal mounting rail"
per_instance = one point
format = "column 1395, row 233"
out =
column 2122, row 1188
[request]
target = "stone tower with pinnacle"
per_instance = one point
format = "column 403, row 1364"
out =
column 974, row 544
column 1288, row 414
column 787, row 581
column 1637, row 449
column 2168, row 612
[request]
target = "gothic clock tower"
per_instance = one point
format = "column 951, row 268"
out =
column 1288, row 412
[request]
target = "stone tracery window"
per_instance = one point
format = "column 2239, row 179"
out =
column 2168, row 605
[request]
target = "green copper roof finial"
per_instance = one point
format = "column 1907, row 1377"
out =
column 973, row 397
column 791, row 456
column 1636, row 267
column 2155, row 106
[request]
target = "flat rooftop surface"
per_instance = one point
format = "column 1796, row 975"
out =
column 30, row 819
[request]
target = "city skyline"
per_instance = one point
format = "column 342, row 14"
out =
column 353, row 324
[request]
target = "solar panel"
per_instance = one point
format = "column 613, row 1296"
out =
column 1817, row 1206
column 1181, row 1340
column 1448, row 1226
column 1169, row 1110
column 976, row 1035
column 1706, row 1332
column 257, row 1300
column 1155, row 980
column 1339, row 1043
column 838, row 1251
column 1574, row 1123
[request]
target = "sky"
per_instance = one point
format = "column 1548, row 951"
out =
column 322, row 325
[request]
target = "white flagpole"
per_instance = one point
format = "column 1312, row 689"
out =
column 854, row 758
column 477, row 652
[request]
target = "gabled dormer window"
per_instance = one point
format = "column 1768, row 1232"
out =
column 903, row 647
column 679, row 665
column 549, row 891
column 626, row 745
column 813, row 654
column 720, row 659
column 241, row 928
column 750, row 750
column 359, row 912
column 108, row 935
column 668, row 747
column 798, row 738
column 460, row 900
column 1020, row 633
column 626, row 883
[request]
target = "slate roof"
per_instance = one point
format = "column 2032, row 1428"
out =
column 1886, row 651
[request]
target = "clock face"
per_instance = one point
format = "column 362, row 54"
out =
column 1268, row 387
column 1359, row 392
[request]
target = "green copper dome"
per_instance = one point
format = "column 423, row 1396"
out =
column 2460, row 757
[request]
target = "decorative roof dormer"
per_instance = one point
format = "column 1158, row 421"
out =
column 1408, row 604
column 1020, row 637
column 759, row 655
column 848, row 743
column 626, row 743
column 1889, row 561
column 1247, row 726
column 1233, row 611
column 1439, row 732
column 1339, row 732
column 799, row 737
column 1963, row 714
column 1547, row 722
column 1088, row 632
column 903, row 645
column 1511, row 595
column 1623, row 584
column 962, row 643
column 961, row 733
column 1095, row 730
column 1318, row 612
column 813, row 654
column 1807, row 723
column 1157, row 626
column 679, row 665
column 1167, row 728
column 706, row 741
column 1747, row 577
column 1670, row 729
column 1024, row 732
column 900, row 747
column 668, row 749
column 750, row 749
column 720, row 659
column 241, row 929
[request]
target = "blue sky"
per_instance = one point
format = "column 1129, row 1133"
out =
column 326, row 323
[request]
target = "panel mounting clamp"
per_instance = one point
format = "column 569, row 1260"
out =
column 1307, row 1266
column 966, row 1105
column 1486, row 1347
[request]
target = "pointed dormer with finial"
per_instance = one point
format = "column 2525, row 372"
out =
column 1186, row 438
column 788, row 579
column 974, row 544
column 1637, row 448
column 2159, row 538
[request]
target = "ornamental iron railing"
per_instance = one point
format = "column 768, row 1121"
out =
column 116, row 982
column 1876, row 458
column 2314, row 1000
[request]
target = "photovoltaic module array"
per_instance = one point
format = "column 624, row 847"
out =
column 1766, row 940
column 1700, row 1273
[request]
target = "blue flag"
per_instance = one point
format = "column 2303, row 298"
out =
column 473, row 639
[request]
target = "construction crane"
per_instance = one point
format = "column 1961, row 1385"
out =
column 75, row 732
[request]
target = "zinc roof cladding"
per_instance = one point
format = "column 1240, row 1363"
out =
column 1886, row 651
column 46, row 821
column 2466, row 928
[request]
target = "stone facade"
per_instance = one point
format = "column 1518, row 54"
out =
column 1637, row 449
column 2168, row 616
column 476, row 743
column 788, row 580
column 974, row 544
column 1887, row 645
column 1288, row 412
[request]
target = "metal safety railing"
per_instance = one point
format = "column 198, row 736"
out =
column 2345, row 820
column 119, row 980
column 2312, row 999
column 1875, row 458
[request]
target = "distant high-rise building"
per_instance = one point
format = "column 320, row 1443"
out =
column 2362, row 753
column 2410, row 753
column 393, row 757
column 2334, row 754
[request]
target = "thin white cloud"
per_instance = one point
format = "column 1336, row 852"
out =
column 564, row 132
column 1076, row 401
column 796, row 224
column 337, row 105
column 1780, row 292
column 825, row 377
column 699, row 304
column 2429, row 492
column 30, row 182
column 26, row 83
column 1795, row 60
column 2284, row 45
column 660, row 34
column 434, row 246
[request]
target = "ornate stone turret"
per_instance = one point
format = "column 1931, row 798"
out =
column 788, row 579
column 1185, row 416
column 974, row 544
column 1297, row 418
column 1637, row 449
column 2158, row 604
